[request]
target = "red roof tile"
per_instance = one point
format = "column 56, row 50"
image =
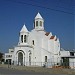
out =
column 47, row 33
column 52, row 37
column 56, row 39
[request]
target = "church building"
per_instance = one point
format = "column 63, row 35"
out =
column 35, row 47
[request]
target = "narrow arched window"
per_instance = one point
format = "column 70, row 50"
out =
column 22, row 38
column 40, row 23
column 45, row 58
column 36, row 23
column 33, row 42
column 25, row 38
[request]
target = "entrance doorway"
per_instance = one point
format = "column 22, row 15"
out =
column 20, row 58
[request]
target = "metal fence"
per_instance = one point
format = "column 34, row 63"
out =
column 70, row 65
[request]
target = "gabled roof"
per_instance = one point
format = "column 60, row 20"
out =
column 47, row 33
column 24, row 29
column 52, row 37
column 38, row 16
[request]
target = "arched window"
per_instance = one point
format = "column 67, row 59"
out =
column 40, row 23
column 36, row 23
column 33, row 42
column 25, row 38
column 22, row 38
column 45, row 58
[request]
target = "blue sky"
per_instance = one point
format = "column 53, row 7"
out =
column 58, row 16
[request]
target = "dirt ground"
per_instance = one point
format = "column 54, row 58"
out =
column 42, row 70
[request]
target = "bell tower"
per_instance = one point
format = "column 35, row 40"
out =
column 23, row 38
column 39, row 22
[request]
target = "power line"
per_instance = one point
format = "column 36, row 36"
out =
column 20, row 2
column 55, row 6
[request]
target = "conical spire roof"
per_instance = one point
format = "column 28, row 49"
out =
column 24, row 29
column 38, row 16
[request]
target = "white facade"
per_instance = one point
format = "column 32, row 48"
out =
column 35, row 47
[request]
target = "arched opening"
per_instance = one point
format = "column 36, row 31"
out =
column 36, row 23
column 41, row 23
column 25, row 38
column 22, row 38
column 20, row 58
column 45, row 58
column 33, row 42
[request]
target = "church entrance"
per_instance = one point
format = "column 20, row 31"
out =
column 20, row 58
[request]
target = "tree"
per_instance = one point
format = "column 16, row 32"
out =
column 1, row 56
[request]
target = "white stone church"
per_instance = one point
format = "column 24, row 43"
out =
column 35, row 47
